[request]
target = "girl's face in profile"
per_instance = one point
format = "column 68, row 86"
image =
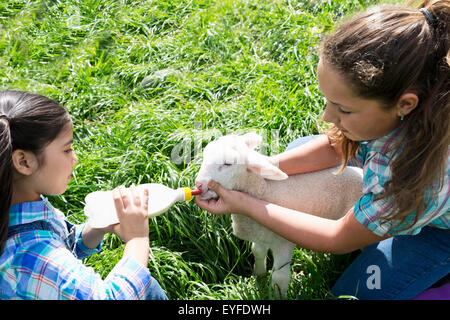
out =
column 358, row 119
column 54, row 175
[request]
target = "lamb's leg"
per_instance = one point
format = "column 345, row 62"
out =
column 281, row 274
column 260, row 254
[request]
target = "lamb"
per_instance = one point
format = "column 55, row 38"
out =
column 232, row 161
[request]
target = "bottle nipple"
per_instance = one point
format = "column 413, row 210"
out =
column 188, row 193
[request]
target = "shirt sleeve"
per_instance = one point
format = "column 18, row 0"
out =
column 367, row 211
column 370, row 211
column 81, row 251
column 47, row 270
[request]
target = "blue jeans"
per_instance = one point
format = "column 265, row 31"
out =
column 404, row 265
column 300, row 141
column 396, row 268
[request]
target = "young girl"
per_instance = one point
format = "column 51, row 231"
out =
column 39, row 249
column 385, row 75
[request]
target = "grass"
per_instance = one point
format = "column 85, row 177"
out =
column 148, row 84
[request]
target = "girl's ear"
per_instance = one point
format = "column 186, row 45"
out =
column 407, row 103
column 25, row 162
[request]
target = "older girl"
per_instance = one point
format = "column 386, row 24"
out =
column 385, row 75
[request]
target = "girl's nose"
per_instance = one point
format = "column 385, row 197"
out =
column 329, row 116
column 75, row 159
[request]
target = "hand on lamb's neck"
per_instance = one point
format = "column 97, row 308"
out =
column 254, row 185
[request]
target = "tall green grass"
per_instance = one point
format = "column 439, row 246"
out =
column 144, row 78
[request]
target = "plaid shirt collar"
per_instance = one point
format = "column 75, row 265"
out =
column 32, row 211
column 386, row 144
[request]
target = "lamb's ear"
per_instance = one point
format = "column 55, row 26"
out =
column 260, row 165
column 251, row 139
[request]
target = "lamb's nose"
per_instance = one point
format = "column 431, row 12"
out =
column 198, row 185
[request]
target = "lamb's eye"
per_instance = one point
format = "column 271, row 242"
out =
column 225, row 165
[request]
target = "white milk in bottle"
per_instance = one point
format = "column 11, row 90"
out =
column 101, row 211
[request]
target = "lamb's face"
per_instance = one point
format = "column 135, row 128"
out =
column 224, row 160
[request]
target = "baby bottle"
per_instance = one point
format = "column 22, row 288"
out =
column 101, row 211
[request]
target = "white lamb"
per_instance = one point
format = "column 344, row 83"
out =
column 233, row 162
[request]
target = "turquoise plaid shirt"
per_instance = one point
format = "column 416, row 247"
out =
column 38, row 265
column 376, row 158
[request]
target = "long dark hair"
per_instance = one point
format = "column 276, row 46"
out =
column 27, row 122
column 384, row 52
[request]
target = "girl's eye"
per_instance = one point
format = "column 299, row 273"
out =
column 339, row 107
column 343, row 111
column 68, row 150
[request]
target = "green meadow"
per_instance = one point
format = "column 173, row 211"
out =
column 149, row 84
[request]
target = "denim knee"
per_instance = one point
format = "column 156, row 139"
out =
column 397, row 268
column 301, row 140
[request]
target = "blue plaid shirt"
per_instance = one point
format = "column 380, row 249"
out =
column 39, row 264
column 376, row 157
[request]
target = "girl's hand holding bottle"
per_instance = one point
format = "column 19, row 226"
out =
column 125, row 212
column 131, row 207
